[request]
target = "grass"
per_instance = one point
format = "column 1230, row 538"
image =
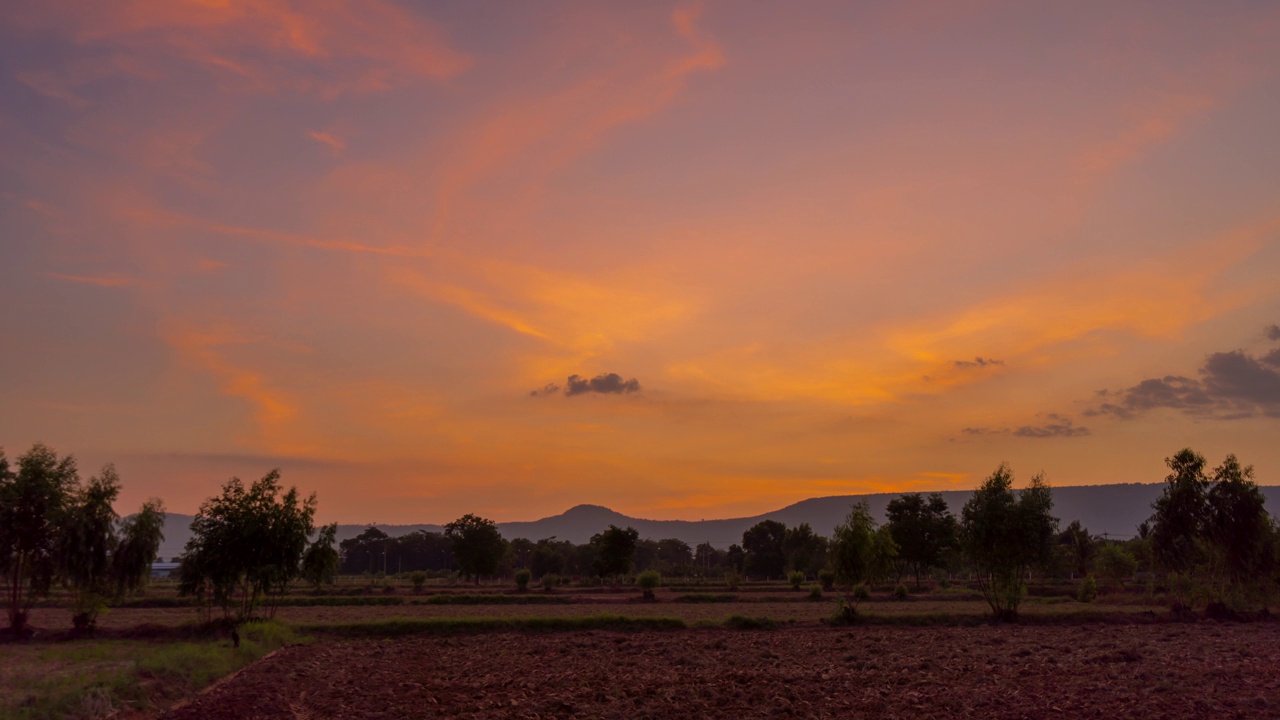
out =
column 96, row 678
column 398, row 627
column 493, row 599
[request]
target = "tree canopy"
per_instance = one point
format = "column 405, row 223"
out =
column 763, row 545
column 478, row 547
column 924, row 531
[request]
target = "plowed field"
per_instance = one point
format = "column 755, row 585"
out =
column 1158, row 670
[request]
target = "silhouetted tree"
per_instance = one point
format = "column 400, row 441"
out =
column 1238, row 530
column 320, row 561
column 246, row 545
column 478, row 547
column 1079, row 547
column 806, row 550
column 33, row 505
column 860, row 552
column 1181, row 512
column 614, row 549
column 924, row 531
column 549, row 557
column 1116, row 564
column 1005, row 534
column 762, row 542
column 675, row 558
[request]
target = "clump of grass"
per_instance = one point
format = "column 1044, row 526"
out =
column 742, row 622
column 815, row 593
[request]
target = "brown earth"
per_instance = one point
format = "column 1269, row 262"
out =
column 1166, row 670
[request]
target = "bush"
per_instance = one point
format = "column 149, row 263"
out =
column 549, row 582
column 1088, row 589
column 796, row 579
column 648, row 581
column 815, row 592
column 900, row 592
column 861, row 592
column 522, row 579
column 732, row 579
column 828, row 580
column 418, row 579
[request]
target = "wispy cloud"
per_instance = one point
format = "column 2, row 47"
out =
column 104, row 281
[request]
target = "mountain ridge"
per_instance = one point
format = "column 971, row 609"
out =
column 1114, row 510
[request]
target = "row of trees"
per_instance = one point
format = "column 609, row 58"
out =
column 57, row 530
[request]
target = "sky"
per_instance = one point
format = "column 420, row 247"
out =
column 683, row 260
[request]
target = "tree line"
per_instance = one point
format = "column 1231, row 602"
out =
column 1209, row 540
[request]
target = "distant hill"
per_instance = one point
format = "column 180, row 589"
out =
column 1112, row 509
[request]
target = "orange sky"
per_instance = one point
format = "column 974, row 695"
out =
column 838, row 247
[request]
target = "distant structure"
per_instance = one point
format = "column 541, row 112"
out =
column 161, row 570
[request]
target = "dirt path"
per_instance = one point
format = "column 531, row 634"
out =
column 1205, row 670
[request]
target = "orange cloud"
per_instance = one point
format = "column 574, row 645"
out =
column 336, row 144
column 108, row 281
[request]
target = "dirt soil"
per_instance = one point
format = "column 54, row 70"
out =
column 1205, row 670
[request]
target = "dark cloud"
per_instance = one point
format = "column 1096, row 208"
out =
column 1231, row 385
column 1273, row 332
column 1056, row 426
column 978, row 362
column 610, row 384
column 607, row 384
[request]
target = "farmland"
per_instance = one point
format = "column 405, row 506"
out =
column 365, row 648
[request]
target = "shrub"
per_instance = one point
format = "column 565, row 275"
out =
column 828, row 580
column 900, row 592
column 418, row 579
column 815, row 592
column 732, row 579
column 549, row 582
column 861, row 592
column 648, row 581
column 522, row 579
column 796, row 579
column 1088, row 589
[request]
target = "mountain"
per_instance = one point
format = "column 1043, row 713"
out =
column 1114, row 510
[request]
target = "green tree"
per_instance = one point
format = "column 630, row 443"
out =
column 1079, row 547
column 246, row 545
column 860, row 553
column 648, row 581
column 100, row 557
column 1116, row 564
column 763, row 544
column 1238, row 530
column 614, row 549
column 477, row 545
column 320, row 561
column 806, row 551
column 33, row 505
column 924, row 531
column 1005, row 534
column 1180, row 513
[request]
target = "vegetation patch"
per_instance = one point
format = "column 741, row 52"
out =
column 398, row 627
column 492, row 599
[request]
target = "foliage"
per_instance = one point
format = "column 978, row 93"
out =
column 1088, row 589
column 860, row 552
column 924, row 531
column 33, row 504
column 100, row 557
column 815, row 592
column 648, row 581
column 247, row 545
column 1115, row 564
column 796, row 579
column 763, row 544
column 828, row 579
column 732, row 579
column 522, row 579
column 1214, row 532
column 614, row 549
column 805, row 550
column 900, row 592
column 1080, row 547
column 477, row 545
column 550, row 581
column 1005, row 534
column 320, row 561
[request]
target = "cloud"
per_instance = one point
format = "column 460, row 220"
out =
column 605, row 384
column 978, row 362
column 334, row 143
column 1056, row 426
column 1231, row 385
column 1273, row 332
column 108, row 281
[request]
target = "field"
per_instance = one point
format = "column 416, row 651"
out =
column 603, row 652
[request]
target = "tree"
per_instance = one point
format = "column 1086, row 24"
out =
column 1180, row 513
column 1079, row 546
column 477, row 545
column 33, row 504
column 1116, row 564
column 100, row 557
column 806, row 551
column 614, row 549
column 246, row 545
column 1005, row 534
column 924, row 531
column 674, row 557
column 1238, row 530
column 549, row 557
column 762, row 542
column 859, row 552
column 320, row 561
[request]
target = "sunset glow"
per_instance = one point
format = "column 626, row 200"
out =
column 682, row 260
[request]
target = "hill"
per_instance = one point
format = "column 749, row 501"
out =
column 1114, row 510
